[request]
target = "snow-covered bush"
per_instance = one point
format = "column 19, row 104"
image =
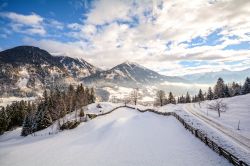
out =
column 98, row 105
column 69, row 125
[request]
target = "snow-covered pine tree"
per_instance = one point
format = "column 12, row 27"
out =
column 200, row 96
column 235, row 89
column 219, row 89
column 188, row 98
column 44, row 118
column 28, row 121
column 92, row 96
column 4, row 121
column 195, row 99
column 181, row 99
column 246, row 86
column 27, row 125
column 171, row 98
column 70, row 98
column 226, row 91
column 210, row 94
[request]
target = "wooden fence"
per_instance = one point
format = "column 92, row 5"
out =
column 214, row 146
column 202, row 136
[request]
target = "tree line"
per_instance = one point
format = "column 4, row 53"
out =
column 220, row 90
column 38, row 115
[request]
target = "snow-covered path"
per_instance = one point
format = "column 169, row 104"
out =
column 243, row 141
column 124, row 137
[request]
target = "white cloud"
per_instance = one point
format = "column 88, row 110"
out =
column 32, row 19
column 159, row 22
column 55, row 24
column 107, row 11
column 28, row 24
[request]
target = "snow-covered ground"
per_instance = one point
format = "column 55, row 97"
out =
column 124, row 137
column 105, row 107
column 128, row 137
column 238, row 110
column 221, row 130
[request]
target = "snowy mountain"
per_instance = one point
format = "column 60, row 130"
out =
column 211, row 77
column 77, row 67
column 130, row 74
column 26, row 70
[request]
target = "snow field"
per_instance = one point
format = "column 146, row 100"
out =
column 223, row 140
column 124, row 137
column 238, row 110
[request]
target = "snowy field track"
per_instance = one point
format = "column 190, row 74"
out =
column 124, row 137
column 240, row 139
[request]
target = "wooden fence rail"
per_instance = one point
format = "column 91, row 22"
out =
column 214, row 146
column 202, row 136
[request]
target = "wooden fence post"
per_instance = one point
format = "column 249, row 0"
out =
column 230, row 158
column 219, row 150
column 196, row 133
column 212, row 145
column 206, row 141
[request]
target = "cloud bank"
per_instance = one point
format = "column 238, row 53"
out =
column 172, row 37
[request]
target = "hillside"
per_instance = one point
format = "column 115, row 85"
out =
column 125, row 137
column 27, row 70
column 238, row 109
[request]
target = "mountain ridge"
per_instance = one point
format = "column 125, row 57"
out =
column 25, row 70
column 130, row 73
column 211, row 77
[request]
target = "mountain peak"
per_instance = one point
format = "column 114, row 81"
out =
column 130, row 63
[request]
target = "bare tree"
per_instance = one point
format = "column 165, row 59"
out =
column 134, row 95
column 218, row 105
column 160, row 97
column 126, row 100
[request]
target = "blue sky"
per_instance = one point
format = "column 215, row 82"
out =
column 171, row 37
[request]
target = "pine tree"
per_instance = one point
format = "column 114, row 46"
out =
column 226, row 91
column 210, row 94
column 171, row 98
column 195, row 99
column 4, row 121
column 55, row 104
column 188, row 98
column 181, row 99
column 246, row 86
column 92, row 96
column 70, row 96
column 45, row 96
column 28, row 122
column 44, row 119
column 200, row 96
column 219, row 89
column 235, row 89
